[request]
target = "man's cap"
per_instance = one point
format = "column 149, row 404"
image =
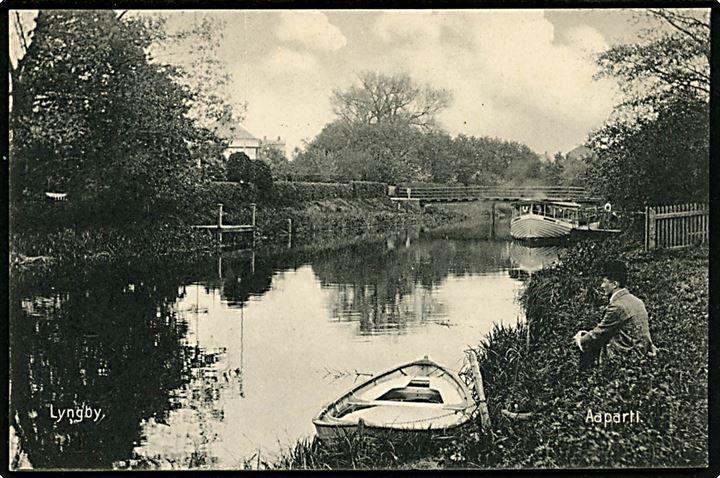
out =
column 614, row 269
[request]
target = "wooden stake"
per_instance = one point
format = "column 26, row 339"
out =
column 480, row 389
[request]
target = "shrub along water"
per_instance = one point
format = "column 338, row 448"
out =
column 101, row 243
column 667, row 394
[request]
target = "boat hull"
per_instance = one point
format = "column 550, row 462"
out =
column 337, row 432
column 538, row 227
column 369, row 408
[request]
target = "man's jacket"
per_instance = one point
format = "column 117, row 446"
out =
column 624, row 326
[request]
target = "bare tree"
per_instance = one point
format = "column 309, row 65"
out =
column 664, row 63
column 389, row 99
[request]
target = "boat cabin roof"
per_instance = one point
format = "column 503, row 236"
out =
column 547, row 201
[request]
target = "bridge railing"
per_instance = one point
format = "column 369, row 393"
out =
column 481, row 192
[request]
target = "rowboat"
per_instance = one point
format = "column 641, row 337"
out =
column 419, row 396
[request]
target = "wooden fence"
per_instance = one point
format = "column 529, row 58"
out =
column 675, row 226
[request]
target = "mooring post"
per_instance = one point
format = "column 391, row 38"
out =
column 492, row 223
column 219, row 228
column 480, row 389
column 252, row 207
column 289, row 232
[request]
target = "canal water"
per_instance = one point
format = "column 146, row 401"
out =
column 224, row 362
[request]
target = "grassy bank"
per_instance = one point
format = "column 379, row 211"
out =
column 101, row 243
column 331, row 218
column 669, row 392
column 312, row 221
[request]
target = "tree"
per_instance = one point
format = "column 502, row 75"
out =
column 240, row 168
column 384, row 152
column 553, row 170
column 190, row 40
column 384, row 98
column 661, row 160
column 664, row 64
column 276, row 160
column 94, row 118
column 436, row 156
column 659, row 152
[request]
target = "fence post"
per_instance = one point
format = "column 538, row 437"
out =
column 650, row 225
column 647, row 228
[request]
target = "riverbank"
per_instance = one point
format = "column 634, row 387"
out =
column 312, row 222
column 559, row 428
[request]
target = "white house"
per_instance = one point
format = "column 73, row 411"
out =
column 239, row 139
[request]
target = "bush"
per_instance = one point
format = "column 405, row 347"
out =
column 368, row 189
column 239, row 167
column 291, row 192
column 235, row 197
column 670, row 391
column 261, row 177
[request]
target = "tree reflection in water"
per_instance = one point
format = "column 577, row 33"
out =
column 389, row 286
column 103, row 336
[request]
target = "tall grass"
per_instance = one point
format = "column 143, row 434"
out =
column 542, row 378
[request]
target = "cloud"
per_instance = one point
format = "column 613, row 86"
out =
column 395, row 25
column 310, row 29
column 509, row 76
column 586, row 38
column 287, row 60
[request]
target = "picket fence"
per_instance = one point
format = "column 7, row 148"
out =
column 677, row 225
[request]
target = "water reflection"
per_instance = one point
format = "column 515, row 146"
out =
column 202, row 365
column 526, row 260
column 104, row 337
column 388, row 288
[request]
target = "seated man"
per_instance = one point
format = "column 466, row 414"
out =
column 624, row 326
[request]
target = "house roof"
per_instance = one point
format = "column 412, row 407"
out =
column 229, row 130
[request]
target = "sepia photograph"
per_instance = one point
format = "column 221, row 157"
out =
column 386, row 239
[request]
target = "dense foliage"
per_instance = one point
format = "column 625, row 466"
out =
column 277, row 161
column 386, row 130
column 655, row 148
column 293, row 192
column 92, row 117
column 240, row 168
column 400, row 153
column 663, row 160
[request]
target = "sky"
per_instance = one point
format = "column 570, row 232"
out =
column 520, row 75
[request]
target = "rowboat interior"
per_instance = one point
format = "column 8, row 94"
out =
column 420, row 395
